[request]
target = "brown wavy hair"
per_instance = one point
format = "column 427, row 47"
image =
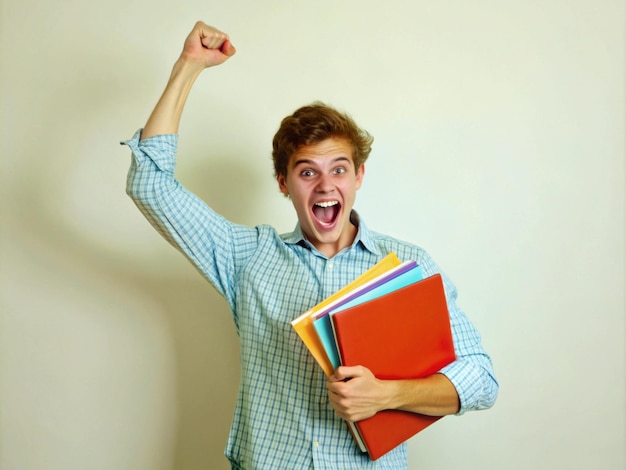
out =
column 315, row 123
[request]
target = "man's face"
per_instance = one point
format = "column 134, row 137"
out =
column 322, row 182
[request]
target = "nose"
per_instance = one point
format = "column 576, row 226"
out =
column 325, row 184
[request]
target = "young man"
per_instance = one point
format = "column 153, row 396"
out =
column 288, row 415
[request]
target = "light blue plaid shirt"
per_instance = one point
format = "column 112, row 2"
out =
column 283, row 419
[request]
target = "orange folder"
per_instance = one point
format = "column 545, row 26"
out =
column 304, row 323
column 402, row 335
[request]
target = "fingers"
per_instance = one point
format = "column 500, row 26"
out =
column 206, row 46
column 210, row 37
column 344, row 373
column 353, row 393
column 213, row 38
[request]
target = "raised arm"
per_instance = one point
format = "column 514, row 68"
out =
column 204, row 47
column 181, row 217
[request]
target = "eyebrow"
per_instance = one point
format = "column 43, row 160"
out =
column 306, row 161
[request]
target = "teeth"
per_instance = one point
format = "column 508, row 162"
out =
column 326, row 204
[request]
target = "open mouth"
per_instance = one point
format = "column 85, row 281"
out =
column 326, row 212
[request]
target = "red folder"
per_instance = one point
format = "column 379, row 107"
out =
column 402, row 335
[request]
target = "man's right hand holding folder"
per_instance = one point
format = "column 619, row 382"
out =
column 356, row 394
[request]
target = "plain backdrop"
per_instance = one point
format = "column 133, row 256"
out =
column 499, row 147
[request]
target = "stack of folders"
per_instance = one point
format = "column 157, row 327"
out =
column 392, row 321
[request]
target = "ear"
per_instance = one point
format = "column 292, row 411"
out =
column 282, row 184
column 359, row 176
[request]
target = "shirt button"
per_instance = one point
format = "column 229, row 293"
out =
column 316, row 444
column 330, row 265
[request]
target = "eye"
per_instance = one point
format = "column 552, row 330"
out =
column 307, row 173
column 339, row 171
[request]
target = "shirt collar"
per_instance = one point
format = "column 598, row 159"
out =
column 363, row 236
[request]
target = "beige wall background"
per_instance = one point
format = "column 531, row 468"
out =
column 499, row 147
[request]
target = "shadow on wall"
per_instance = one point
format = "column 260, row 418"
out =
column 197, row 320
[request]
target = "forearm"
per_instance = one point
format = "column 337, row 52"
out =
column 433, row 396
column 204, row 47
column 165, row 118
